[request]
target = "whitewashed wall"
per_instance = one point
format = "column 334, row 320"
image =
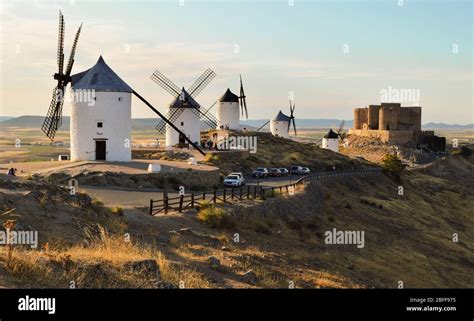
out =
column 228, row 114
column 279, row 128
column 331, row 143
column 191, row 128
column 117, row 124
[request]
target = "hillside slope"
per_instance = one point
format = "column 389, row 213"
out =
column 281, row 240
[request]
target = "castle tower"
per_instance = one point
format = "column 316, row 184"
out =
column 279, row 125
column 100, row 128
column 228, row 110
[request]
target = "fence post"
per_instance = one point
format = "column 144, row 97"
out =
column 204, row 195
column 192, row 200
column 165, row 203
column 241, row 187
column 254, row 191
column 215, row 196
column 248, row 191
column 151, row 206
column 224, row 194
column 181, row 198
column 232, row 197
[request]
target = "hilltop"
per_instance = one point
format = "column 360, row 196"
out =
column 281, row 239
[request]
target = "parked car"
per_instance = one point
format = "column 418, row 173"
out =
column 306, row 170
column 233, row 181
column 260, row 172
column 240, row 175
column 296, row 170
column 274, row 172
column 284, row 172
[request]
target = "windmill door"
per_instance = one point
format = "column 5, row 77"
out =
column 100, row 149
column 182, row 139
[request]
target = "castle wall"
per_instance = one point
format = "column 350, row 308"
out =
column 411, row 116
column 373, row 117
column 360, row 117
column 386, row 136
column 388, row 117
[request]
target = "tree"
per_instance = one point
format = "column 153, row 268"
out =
column 392, row 164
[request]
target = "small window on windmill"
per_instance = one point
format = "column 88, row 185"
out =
column 182, row 123
column 100, row 124
column 120, row 98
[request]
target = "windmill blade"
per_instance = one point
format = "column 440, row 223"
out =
column 243, row 102
column 168, row 122
column 294, row 125
column 263, row 126
column 341, row 127
column 61, row 44
column 53, row 119
column 207, row 110
column 165, row 83
column 73, row 52
column 201, row 82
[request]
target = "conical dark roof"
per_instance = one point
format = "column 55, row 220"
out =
column 184, row 100
column 281, row 117
column 100, row 78
column 331, row 134
column 229, row 97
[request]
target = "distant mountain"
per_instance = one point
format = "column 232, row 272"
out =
column 447, row 126
column 304, row 123
column 150, row 123
column 31, row 122
column 3, row 118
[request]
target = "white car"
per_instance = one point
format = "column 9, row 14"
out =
column 233, row 181
column 305, row 170
column 240, row 175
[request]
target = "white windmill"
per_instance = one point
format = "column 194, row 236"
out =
column 184, row 111
column 331, row 139
column 280, row 125
column 227, row 112
column 101, row 130
column 100, row 126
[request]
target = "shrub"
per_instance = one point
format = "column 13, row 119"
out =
column 214, row 217
column 392, row 164
column 117, row 210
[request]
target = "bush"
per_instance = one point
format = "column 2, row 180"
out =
column 117, row 210
column 392, row 164
column 215, row 217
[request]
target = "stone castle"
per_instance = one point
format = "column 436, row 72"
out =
column 394, row 124
column 390, row 122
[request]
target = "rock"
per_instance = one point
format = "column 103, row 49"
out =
column 146, row 266
column 225, row 248
column 185, row 230
column 250, row 277
column 214, row 262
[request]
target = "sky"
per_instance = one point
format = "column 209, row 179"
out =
column 330, row 56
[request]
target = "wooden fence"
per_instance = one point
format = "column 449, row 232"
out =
column 225, row 195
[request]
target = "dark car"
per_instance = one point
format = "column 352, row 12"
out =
column 260, row 172
column 296, row 170
column 274, row 172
